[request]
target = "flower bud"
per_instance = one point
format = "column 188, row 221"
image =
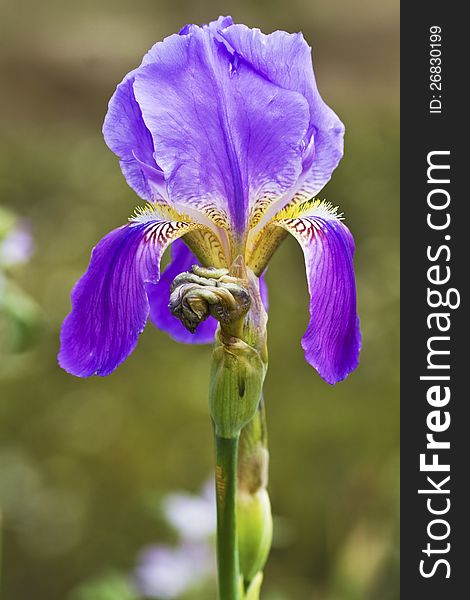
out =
column 236, row 383
column 203, row 292
column 255, row 530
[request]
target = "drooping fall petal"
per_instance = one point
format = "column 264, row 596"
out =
column 333, row 340
column 109, row 303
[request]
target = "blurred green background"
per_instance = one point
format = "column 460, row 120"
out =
column 83, row 463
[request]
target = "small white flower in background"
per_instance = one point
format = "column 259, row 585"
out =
column 166, row 572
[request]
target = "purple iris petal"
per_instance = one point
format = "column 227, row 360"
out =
column 263, row 291
column 213, row 26
column 224, row 136
column 218, row 24
column 286, row 60
column 127, row 136
column 333, row 339
column 109, row 303
column 159, row 296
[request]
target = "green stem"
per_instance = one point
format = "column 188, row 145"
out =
column 226, row 492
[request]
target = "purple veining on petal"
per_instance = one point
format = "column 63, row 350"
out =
column 332, row 341
column 109, row 302
column 159, row 296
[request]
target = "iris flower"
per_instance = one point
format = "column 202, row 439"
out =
column 222, row 131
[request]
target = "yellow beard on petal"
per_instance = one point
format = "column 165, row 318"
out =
column 270, row 237
column 201, row 240
column 158, row 210
column 313, row 207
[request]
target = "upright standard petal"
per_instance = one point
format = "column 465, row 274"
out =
column 216, row 26
column 127, row 136
column 182, row 259
column 286, row 60
column 109, row 303
column 224, row 135
column 333, row 340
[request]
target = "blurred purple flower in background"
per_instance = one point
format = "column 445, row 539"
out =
column 166, row 572
column 19, row 313
column 17, row 246
column 193, row 517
